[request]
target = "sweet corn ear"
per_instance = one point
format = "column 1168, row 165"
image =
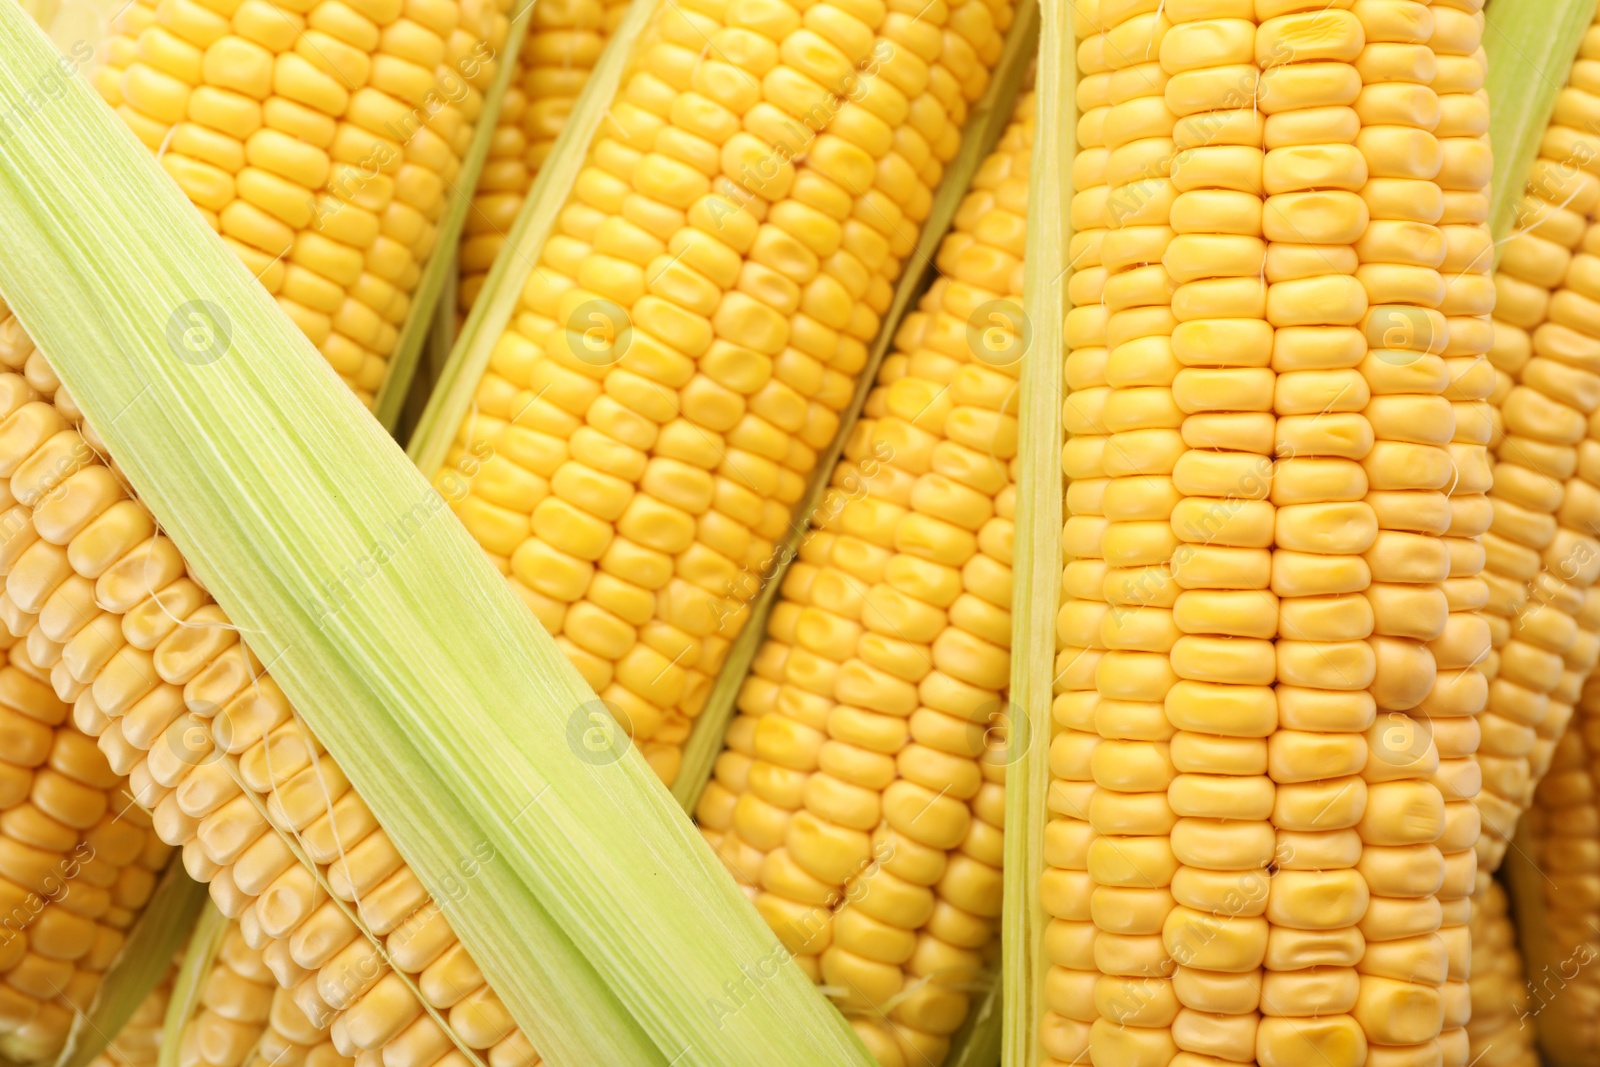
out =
column 689, row 334
column 158, row 649
column 1259, row 845
column 860, row 799
column 250, row 811
column 321, row 140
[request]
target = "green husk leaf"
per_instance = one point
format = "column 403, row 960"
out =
column 437, row 276
column 190, row 985
column 1036, row 566
column 984, row 127
column 1531, row 47
column 497, row 300
column 594, row 908
column 145, row 957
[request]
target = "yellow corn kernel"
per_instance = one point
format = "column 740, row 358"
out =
column 313, row 137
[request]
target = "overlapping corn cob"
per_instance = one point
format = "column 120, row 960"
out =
column 860, row 800
column 319, row 138
column 1066, row 891
column 1542, row 555
column 695, row 324
column 563, row 44
column 1560, row 925
column 138, row 1043
column 245, row 1019
column 1500, row 1035
column 1258, row 576
column 78, row 859
column 151, row 668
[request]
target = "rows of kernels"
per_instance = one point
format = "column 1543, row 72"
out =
column 635, row 494
column 1400, row 1002
column 1563, row 824
column 1321, row 524
column 157, row 677
column 563, row 44
column 138, row 1043
column 1065, row 890
column 1460, row 689
column 120, row 47
column 245, row 1019
column 1539, row 561
column 79, row 860
column 320, row 138
column 1131, row 860
column 862, row 733
column 1497, row 1034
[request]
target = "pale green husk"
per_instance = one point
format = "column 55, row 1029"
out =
column 190, row 985
column 1036, row 566
column 145, row 957
column 1531, row 47
column 592, row 905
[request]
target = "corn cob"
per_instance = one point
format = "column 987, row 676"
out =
column 161, row 680
column 318, row 138
column 138, row 1043
column 245, row 1019
column 1065, row 890
column 1541, row 551
column 857, row 800
column 697, row 319
column 1558, row 895
column 1499, row 1034
column 563, row 44
column 77, row 859
column 1260, row 467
